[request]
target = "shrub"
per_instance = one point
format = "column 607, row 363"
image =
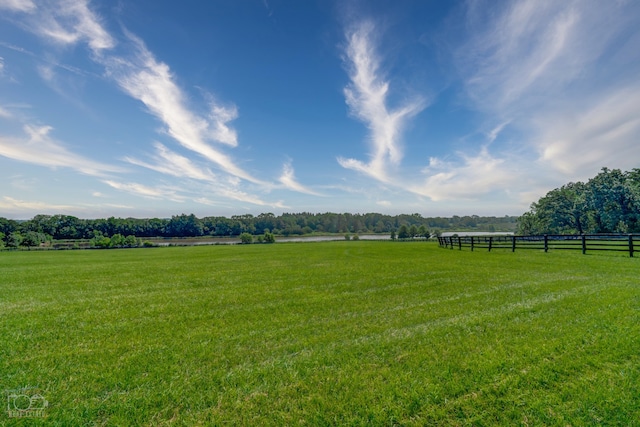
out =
column 246, row 238
column 269, row 237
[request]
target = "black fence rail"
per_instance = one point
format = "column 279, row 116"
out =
column 585, row 242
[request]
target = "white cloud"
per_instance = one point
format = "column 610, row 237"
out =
column 288, row 179
column 239, row 196
column 563, row 77
column 46, row 72
column 493, row 133
column 5, row 114
column 474, row 177
column 171, row 163
column 366, row 96
column 69, row 22
column 140, row 75
column 37, row 147
column 64, row 22
column 9, row 204
column 518, row 48
column 18, row 5
column 168, row 162
column 219, row 130
column 159, row 192
column 525, row 55
column 151, row 82
column 604, row 134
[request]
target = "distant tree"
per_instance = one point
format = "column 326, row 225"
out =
column 355, row 237
column 14, row 239
column 33, row 239
column 268, row 237
column 265, row 222
column 131, row 241
column 403, row 232
column 8, row 226
column 117, row 240
column 100, row 241
column 246, row 238
column 393, row 235
column 423, row 232
column 413, row 231
column 70, row 227
column 347, row 236
column 184, row 226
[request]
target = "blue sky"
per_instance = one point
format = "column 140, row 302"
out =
column 151, row 108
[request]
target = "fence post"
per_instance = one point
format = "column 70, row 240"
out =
column 584, row 244
column 546, row 243
column 631, row 245
column 459, row 243
column 490, row 242
column 451, row 241
column 513, row 243
column 472, row 244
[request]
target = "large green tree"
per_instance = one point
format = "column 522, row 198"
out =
column 607, row 203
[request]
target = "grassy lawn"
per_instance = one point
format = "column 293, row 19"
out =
column 335, row 333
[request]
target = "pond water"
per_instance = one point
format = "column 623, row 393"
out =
column 228, row 241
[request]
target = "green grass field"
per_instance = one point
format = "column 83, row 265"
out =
column 336, row 333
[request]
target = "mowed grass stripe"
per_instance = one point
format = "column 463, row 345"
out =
column 336, row 333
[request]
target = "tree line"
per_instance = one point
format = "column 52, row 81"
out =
column 606, row 203
column 43, row 228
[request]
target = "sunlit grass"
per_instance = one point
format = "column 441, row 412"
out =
column 336, row 333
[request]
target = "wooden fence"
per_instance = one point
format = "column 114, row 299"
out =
column 585, row 242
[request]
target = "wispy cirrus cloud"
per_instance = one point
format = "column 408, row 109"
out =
column 170, row 163
column 10, row 204
column 562, row 78
column 38, row 147
column 288, row 179
column 65, row 22
column 136, row 70
column 202, row 180
column 477, row 175
column 517, row 47
column 4, row 113
column 366, row 97
column 219, row 117
column 151, row 82
column 601, row 134
column 563, row 73
column 152, row 192
column 239, row 196
column 18, row 5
